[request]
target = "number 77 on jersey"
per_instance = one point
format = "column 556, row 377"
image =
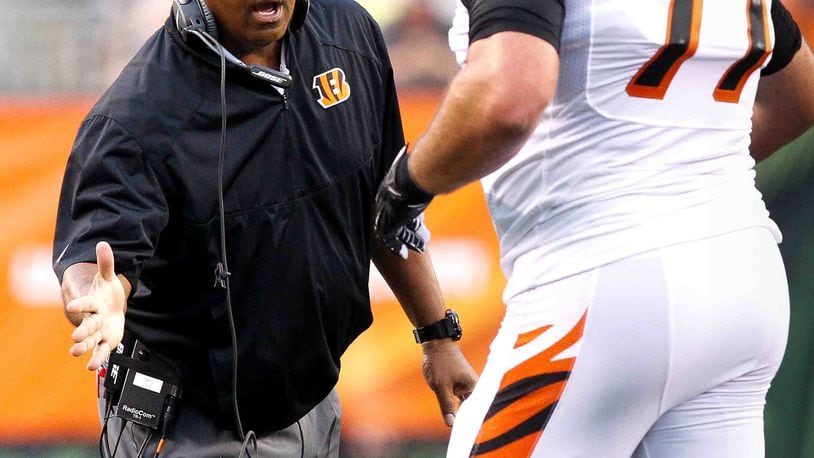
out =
column 681, row 43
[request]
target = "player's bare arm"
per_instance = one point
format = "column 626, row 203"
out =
column 414, row 283
column 492, row 106
column 784, row 105
column 95, row 300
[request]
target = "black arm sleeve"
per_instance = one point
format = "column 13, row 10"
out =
column 787, row 39
column 109, row 193
column 541, row 18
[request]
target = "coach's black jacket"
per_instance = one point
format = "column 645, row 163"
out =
column 299, row 183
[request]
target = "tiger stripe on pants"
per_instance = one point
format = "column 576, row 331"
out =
column 529, row 391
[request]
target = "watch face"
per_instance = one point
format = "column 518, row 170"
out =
column 455, row 329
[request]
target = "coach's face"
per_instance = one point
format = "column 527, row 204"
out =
column 251, row 24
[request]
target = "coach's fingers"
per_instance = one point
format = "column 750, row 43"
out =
column 87, row 344
column 90, row 325
column 465, row 382
column 84, row 304
column 100, row 354
column 462, row 392
column 104, row 261
column 446, row 401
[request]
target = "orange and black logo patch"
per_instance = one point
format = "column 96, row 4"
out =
column 332, row 86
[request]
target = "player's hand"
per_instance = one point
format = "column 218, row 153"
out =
column 103, row 307
column 413, row 235
column 448, row 374
column 400, row 204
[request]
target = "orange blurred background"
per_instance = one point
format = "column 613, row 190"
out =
column 48, row 396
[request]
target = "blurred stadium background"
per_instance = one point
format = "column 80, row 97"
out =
column 57, row 56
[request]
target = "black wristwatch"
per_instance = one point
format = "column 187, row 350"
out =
column 448, row 327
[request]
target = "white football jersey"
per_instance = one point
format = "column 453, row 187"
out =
column 643, row 146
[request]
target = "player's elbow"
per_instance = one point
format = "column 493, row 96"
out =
column 513, row 109
column 513, row 103
column 516, row 76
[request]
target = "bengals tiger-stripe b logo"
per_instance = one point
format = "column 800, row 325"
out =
column 332, row 87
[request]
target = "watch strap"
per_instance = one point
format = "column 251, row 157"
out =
column 448, row 327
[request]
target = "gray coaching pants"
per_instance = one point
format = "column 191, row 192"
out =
column 195, row 435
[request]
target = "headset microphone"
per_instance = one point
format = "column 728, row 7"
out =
column 269, row 75
column 274, row 77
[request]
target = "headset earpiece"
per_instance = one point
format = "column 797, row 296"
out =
column 209, row 18
column 300, row 13
column 193, row 15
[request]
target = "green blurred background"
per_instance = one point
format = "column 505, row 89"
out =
column 787, row 182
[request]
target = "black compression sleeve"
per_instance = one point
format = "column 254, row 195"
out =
column 541, row 18
column 787, row 39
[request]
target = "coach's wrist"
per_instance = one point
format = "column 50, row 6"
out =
column 448, row 327
column 438, row 344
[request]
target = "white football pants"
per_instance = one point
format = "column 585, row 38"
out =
column 666, row 354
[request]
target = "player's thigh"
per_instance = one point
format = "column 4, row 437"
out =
column 726, row 422
column 576, row 369
column 730, row 312
column 730, row 322
column 613, row 395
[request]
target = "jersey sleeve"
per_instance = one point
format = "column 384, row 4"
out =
column 109, row 193
column 541, row 18
column 787, row 39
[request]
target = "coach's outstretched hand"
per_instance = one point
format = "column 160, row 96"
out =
column 448, row 374
column 95, row 301
column 400, row 204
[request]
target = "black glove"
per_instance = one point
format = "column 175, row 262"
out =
column 400, row 205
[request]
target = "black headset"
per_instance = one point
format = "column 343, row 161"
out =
column 194, row 17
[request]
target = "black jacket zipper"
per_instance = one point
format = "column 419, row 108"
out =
column 295, row 154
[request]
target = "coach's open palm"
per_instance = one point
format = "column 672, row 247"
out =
column 103, row 308
column 449, row 375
